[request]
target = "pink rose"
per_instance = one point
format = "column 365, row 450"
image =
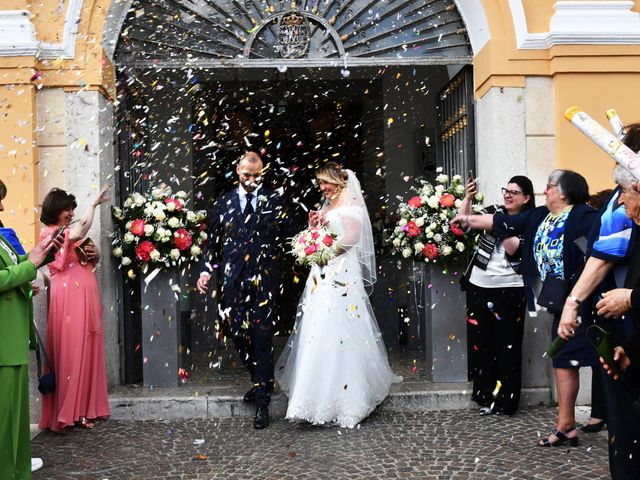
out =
column 143, row 250
column 447, row 200
column 182, row 239
column 137, row 227
column 311, row 249
column 415, row 202
column 412, row 229
column 430, row 251
column 327, row 240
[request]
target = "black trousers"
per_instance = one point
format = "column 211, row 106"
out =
column 249, row 309
column 623, row 420
column 495, row 325
column 598, row 403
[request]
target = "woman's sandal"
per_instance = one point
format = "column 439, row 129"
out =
column 561, row 438
column 88, row 424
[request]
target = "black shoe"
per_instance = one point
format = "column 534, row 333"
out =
column 250, row 396
column 562, row 437
column 592, row 427
column 484, row 411
column 262, row 418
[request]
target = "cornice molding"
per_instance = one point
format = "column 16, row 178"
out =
column 602, row 22
column 18, row 34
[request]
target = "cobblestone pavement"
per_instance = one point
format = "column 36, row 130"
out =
column 434, row 445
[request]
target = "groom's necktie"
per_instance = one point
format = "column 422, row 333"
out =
column 248, row 208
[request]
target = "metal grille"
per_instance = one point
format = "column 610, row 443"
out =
column 223, row 33
column 456, row 152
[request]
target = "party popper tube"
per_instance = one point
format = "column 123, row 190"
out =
column 616, row 123
column 605, row 140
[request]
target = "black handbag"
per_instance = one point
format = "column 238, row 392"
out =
column 47, row 381
column 554, row 293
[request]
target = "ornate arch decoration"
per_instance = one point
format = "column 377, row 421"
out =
column 262, row 33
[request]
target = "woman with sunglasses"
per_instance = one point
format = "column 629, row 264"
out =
column 496, row 306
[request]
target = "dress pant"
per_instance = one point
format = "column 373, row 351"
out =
column 250, row 308
column 15, row 442
column 495, row 325
column 623, row 423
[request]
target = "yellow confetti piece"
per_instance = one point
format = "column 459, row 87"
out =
column 497, row 389
column 389, row 121
column 264, row 303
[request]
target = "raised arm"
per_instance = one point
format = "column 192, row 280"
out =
column 472, row 189
column 81, row 228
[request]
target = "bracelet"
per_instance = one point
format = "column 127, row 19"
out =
column 575, row 299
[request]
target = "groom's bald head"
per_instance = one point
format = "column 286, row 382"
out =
column 249, row 171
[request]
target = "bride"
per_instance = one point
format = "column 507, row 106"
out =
column 334, row 368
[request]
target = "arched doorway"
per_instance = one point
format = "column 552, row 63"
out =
column 383, row 86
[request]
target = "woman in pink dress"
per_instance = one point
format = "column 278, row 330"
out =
column 75, row 335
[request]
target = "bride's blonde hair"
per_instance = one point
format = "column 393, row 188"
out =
column 332, row 173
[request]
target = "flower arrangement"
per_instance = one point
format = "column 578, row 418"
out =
column 314, row 246
column 157, row 230
column 423, row 231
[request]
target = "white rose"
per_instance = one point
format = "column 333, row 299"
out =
column 446, row 250
column 174, row 222
column 148, row 209
column 456, row 178
column 154, row 255
column 174, row 253
column 445, row 228
column 117, row 252
column 418, row 246
column 420, row 221
column 480, row 196
column 148, row 230
column 159, row 215
column 129, row 237
column 171, row 206
column 138, row 199
column 195, row 250
column 117, row 212
column 460, row 189
column 437, row 237
column 157, row 193
column 429, row 235
column 203, row 235
column 128, row 225
column 406, row 252
column 125, row 261
column 442, row 178
column 128, row 202
column 433, row 202
column 191, row 216
column 460, row 246
column 396, row 242
column 427, row 190
column 181, row 194
column 402, row 222
column 457, row 203
column 433, row 226
column 439, row 189
column 165, row 239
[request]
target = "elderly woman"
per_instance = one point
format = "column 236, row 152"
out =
column 496, row 306
column 549, row 250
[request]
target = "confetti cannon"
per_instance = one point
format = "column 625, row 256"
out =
column 608, row 142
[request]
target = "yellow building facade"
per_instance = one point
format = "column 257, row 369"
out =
column 531, row 60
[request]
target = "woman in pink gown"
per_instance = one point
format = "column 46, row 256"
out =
column 75, row 334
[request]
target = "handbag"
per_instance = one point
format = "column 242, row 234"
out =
column 554, row 293
column 47, row 381
column 79, row 249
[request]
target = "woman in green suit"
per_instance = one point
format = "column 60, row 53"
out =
column 16, row 337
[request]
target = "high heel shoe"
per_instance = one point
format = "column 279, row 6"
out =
column 85, row 423
column 562, row 437
column 592, row 427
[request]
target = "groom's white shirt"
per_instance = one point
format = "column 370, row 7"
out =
column 242, row 194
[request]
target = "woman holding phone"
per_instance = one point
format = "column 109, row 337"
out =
column 75, row 334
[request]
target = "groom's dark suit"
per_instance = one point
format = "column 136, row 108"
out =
column 249, row 276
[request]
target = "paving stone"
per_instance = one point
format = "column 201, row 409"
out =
column 439, row 445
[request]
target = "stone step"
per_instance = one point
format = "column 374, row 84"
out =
column 140, row 403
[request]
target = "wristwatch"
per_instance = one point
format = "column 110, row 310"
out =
column 575, row 299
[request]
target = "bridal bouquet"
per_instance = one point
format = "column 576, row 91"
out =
column 422, row 231
column 314, row 246
column 157, row 230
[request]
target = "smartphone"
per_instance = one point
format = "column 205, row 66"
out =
column 61, row 230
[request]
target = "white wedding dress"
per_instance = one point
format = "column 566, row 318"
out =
column 334, row 368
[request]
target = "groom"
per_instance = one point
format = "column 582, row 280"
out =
column 249, row 224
